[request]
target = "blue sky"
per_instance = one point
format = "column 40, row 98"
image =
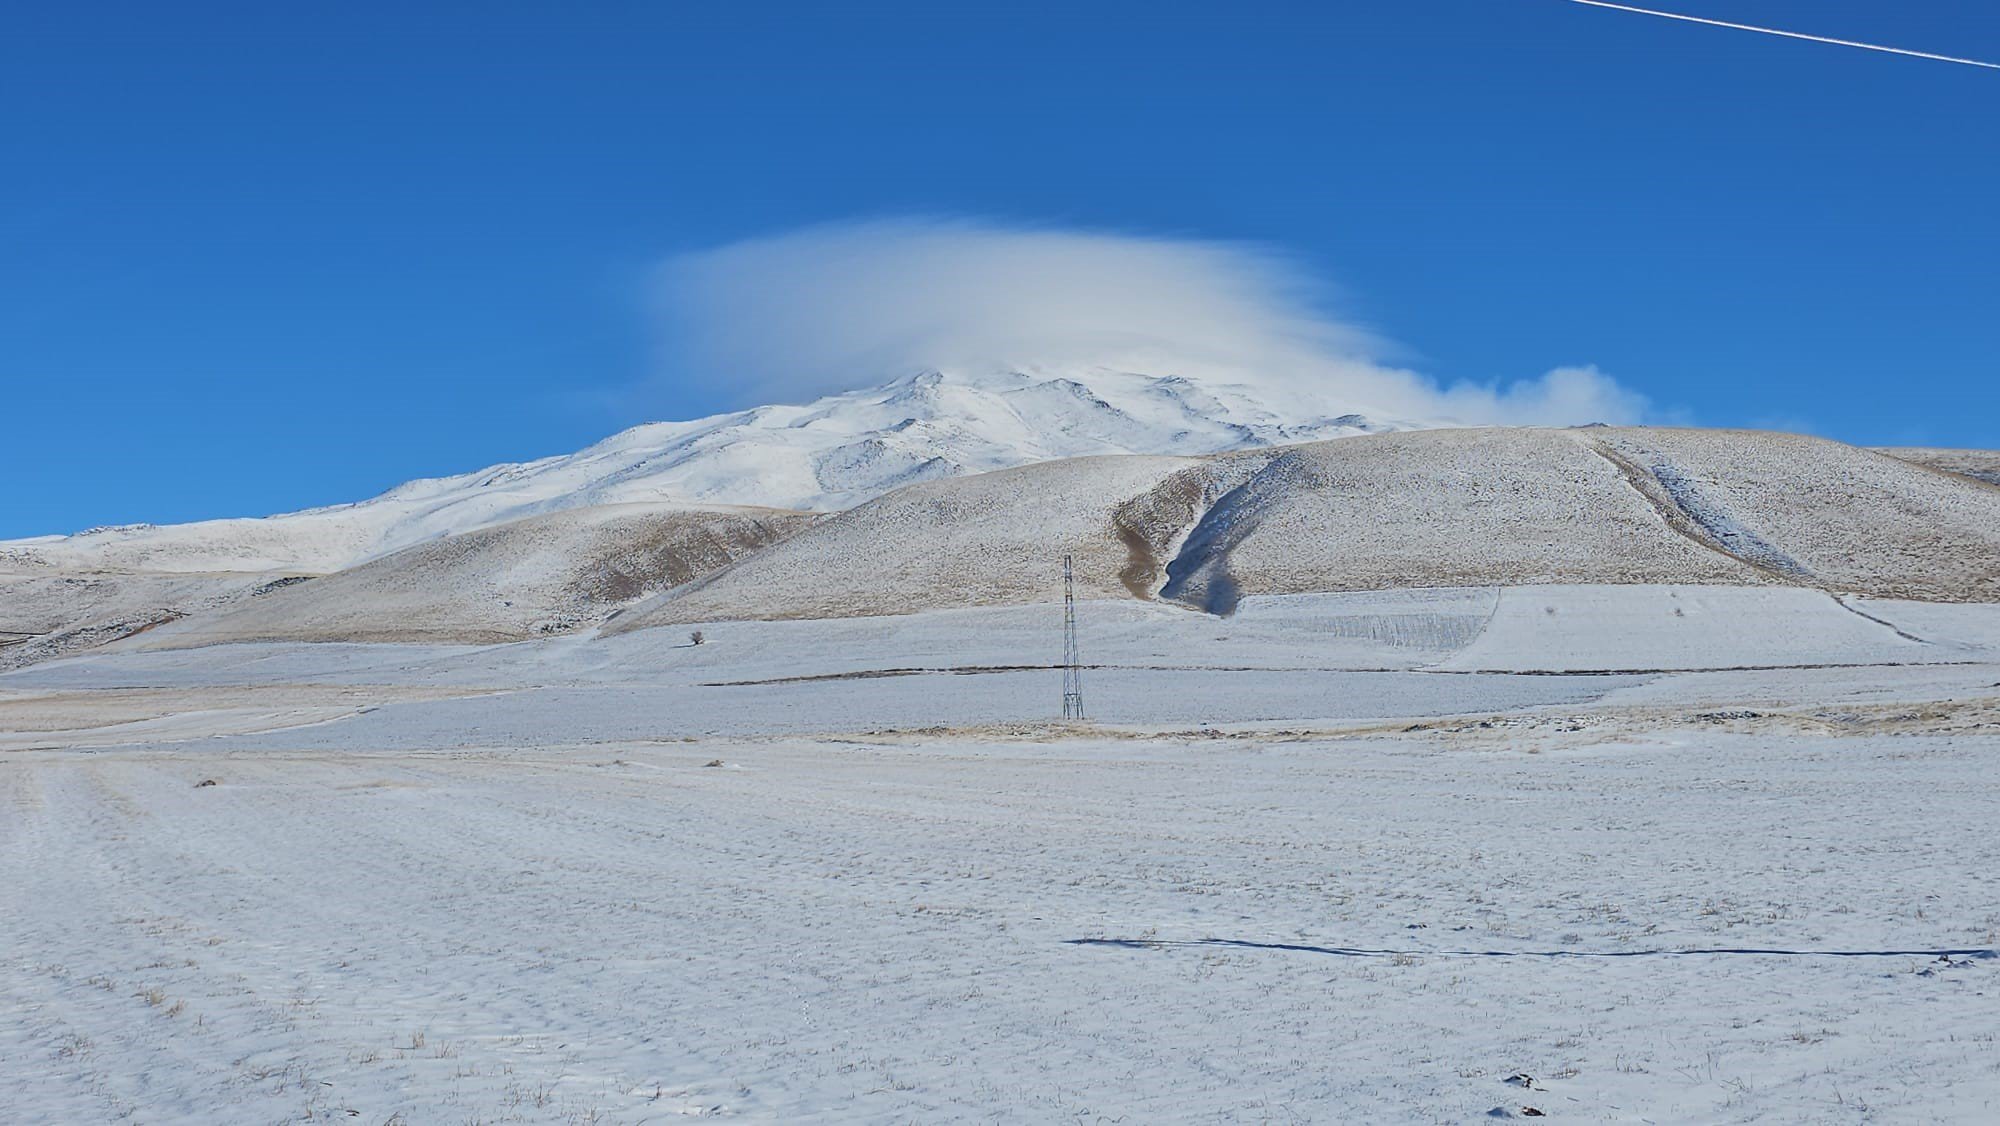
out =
column 260, row 257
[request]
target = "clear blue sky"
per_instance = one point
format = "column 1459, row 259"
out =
column 266, row 256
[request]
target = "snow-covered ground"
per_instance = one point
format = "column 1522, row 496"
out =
column 1686, row 854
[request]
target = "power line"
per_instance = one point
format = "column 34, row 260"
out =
column 1787, row 34
column 1072, row 670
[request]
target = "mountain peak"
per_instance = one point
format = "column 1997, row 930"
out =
column 829, row 454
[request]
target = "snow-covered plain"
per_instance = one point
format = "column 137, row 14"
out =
column 1422, row 856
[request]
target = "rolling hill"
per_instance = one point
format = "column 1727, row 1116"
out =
column 1425, row 508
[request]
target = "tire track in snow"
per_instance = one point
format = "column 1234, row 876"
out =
column 1841, row 601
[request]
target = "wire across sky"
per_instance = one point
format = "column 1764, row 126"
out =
column 1788, row 34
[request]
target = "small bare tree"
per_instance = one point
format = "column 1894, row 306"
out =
column 697, row 637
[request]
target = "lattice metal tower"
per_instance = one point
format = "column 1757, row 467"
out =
column 1072, row 670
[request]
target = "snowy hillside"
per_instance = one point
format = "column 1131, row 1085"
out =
column 1458, row 507
column 543, row 575
column 827, row 455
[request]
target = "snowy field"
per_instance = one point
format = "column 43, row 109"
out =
column 1638, row 855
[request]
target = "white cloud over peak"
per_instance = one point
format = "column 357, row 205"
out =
column 793, row 316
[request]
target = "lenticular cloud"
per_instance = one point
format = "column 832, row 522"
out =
column 798, row 315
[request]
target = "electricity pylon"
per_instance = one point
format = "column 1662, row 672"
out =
column 1072, row 670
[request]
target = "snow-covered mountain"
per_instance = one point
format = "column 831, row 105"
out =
column 828, row 455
